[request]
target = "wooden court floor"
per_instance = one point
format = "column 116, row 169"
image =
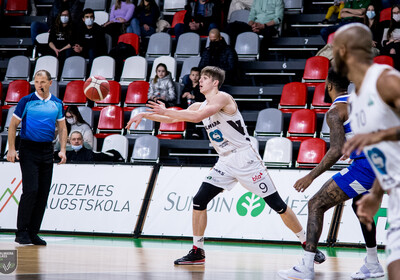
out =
column 99, row 258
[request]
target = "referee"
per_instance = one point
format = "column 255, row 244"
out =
column 39, row 113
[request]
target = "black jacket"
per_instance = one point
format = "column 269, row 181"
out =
column 223, row 56
column 79, row 156
column 92, row 38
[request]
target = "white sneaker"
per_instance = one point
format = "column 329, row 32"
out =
column 298, row 272
column 369, row 270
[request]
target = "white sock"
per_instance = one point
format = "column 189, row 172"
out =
column 309, row 259
column 301, row 235
column 372, row 255
column 198, row 241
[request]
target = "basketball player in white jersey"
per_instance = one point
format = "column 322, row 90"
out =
column 374, row 113
column 351, row 182
column 238, row 161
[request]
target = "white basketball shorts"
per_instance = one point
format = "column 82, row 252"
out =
column 245, row 167
column 393, row 235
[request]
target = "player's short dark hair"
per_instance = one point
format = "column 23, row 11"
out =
column 215, row 73
column 339, row 82
column 195, row 69
column 87, row 11
column 43, row 73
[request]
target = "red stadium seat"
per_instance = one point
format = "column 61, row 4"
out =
column 113, row 97
column 386, row 14
column 318, row 104
column 302, row 125
column 111, row 121
column 311, row 152
column 316, row 70
column 172, row 130
column 16, row 90
column 136, row 95
column 74, row 94
column 294, row 97
column 131, row 39
column 384, row 59
column 16, row 7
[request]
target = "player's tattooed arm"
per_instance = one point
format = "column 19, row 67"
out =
column 335, row 118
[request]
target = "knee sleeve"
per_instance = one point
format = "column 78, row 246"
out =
column 276, row 203
column 204, row 196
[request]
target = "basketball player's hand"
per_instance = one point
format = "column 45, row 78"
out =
column 359, row 141
column 63, row 157
column 303, row 183
column 12, row 155
column 367, row 207
column 136, row 119
column 157, row 107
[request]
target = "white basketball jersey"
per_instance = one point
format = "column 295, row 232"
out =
column 226, row 132
column 369, row 113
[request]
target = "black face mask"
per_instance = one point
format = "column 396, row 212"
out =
column 215, row 44
column 327, row 98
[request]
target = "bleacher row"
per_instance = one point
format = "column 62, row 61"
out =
column 279, row 129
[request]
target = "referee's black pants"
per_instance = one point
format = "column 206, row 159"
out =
column 36, row 162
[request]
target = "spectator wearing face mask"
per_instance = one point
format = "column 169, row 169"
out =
column 89, row 40
column 371, row 19
column 391, row 37
column 220, row 54
column 60, row 36
column 78, row 152
column 75, row 122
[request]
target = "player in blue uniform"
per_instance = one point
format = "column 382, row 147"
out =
column 351, row 182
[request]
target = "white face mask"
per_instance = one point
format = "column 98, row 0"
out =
column 71, row 120
column 396, row 17
column 89, row 21
column 76, row 148
column 64, row 19
column 370, row 14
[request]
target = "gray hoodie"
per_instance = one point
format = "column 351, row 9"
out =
column 163, row 89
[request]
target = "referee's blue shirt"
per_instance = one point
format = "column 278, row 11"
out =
column 39, row 117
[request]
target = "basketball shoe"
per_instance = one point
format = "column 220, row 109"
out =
column 195, row 256
column 369, row 270
column 298, row 272
column 319, row 256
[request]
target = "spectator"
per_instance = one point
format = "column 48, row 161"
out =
column 264, row 19
column 75, row 122
column 60, row 37
column 371, row 19
column 78, row 152
column 89, row 40
column 220, row 54
column 391, row 36
column 161, row 86
column 191, row 90
column 353, row 11
column 145, row 20
column 239, row 5
column 334, row 9
column 74, row 6
column 201, row 16
column 121, row 13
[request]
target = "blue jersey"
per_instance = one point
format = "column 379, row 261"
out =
column 39, row 117
column 346, row 125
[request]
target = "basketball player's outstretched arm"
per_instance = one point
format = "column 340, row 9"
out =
column 335, row 118
column 159, row 113
column 389, row 90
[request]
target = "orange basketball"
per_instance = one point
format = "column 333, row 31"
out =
column 96, row 88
